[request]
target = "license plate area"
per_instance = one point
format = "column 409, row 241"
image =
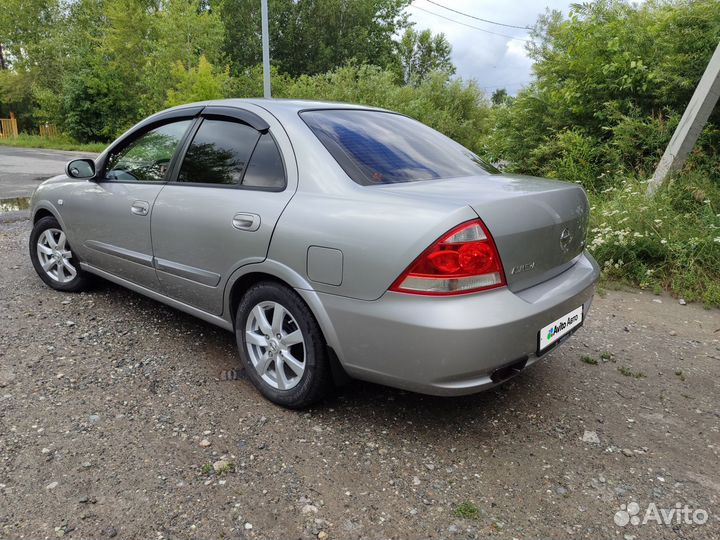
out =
column 555, row 332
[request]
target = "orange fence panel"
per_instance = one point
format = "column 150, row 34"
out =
column 8, row 128
column 48, row 130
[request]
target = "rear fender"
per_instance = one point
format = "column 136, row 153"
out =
column 293, row 279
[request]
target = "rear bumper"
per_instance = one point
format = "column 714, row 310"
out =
column 453, row 345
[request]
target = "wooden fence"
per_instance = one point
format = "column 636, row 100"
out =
column 48, row 130
column 8, row 127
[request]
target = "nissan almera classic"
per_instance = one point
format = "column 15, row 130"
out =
column 332, row 239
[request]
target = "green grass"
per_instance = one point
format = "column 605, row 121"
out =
column 670, row 242
column 208, row 468
column 627, row 372
column 61, row 142
column 589, row 360
column 227, row 469
column 467, row 510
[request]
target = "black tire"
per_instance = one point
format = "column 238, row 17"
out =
column 316, row 380
column 74, row 284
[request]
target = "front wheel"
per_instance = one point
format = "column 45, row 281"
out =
column 52, row 258
column 281, row 346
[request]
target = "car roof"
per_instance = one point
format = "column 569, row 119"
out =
column 281, row 105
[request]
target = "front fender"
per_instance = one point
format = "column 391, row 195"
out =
column 44, row 204
column 48, row 191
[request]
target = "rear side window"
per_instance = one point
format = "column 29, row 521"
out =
column 375, row 147
column 266, row 167
column 219, row 153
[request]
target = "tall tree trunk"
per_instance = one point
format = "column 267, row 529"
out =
column 2, row 58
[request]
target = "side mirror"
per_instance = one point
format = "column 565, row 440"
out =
column 80, row 168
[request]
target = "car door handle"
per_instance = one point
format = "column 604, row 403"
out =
column 246, row 222
column 140, row 208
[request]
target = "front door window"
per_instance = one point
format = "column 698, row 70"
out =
column 147, row 158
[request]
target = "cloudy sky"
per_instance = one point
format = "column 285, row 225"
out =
column 495, row 61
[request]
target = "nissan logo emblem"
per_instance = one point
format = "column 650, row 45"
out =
column 565, row 239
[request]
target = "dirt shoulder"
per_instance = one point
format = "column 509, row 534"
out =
column 106, row 397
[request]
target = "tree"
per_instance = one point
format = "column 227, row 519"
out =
column 196, row 83
column 24, row 26
column 183, row 31
column 421, row 53
column 34, row 53
column 15, row 93
column 500, row 97
column 313, row 36
column 611, row 76
column 103, row 85
column 95, row 104
column 125, row 56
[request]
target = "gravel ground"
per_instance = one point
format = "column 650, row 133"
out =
column 120, row 417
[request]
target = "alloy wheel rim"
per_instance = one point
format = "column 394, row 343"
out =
column 55, row 256
column 276, row 345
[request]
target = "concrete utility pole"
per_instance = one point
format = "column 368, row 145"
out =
column 265, row 49
column 691, row 124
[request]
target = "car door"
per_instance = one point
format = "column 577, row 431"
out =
column 219, row 212
column 109, row 217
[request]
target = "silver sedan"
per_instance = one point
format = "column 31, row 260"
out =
column 334, row 240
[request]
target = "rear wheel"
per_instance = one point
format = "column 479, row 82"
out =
column 53, row 259
column 281, row 346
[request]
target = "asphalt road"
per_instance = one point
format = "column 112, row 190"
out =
column 22, row 169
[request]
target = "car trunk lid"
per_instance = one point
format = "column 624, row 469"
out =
column 538, row 225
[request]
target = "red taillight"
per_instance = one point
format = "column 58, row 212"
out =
column 462, row 261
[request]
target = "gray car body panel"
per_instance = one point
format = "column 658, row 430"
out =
column 194, row 241
column 341, row 246
column 95, row 214
column 526, row 216
column 452, row 345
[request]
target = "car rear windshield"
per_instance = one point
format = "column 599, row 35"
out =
column 375, row 147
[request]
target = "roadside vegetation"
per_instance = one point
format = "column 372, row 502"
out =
column 60, row 142
column 611, row 82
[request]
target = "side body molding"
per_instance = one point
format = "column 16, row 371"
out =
column 211, row 279
column 116, row 251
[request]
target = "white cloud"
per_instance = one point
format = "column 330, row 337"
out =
column 495, row 61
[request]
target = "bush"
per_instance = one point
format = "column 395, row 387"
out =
column 95, row 105
column 671, row 241
column 199, row 83
column 573, row 156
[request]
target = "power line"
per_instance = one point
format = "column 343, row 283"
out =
column 478, row 18
column 469, row 25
